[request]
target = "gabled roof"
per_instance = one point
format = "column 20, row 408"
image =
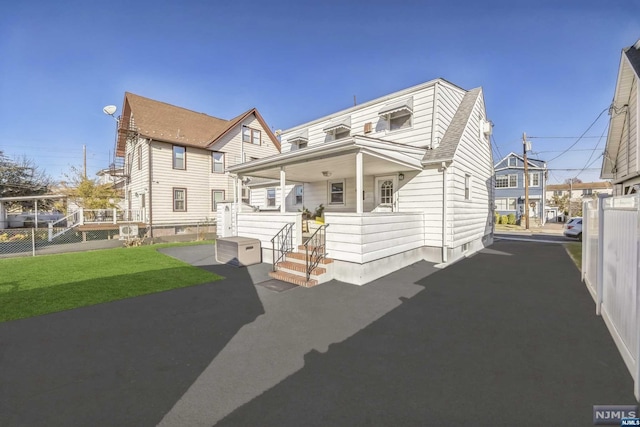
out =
column 168, row 123
column 449, row 144
column 533, row 163
column 628, row 72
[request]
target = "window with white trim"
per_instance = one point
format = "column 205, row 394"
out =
column 298, row 191
column 534, row 179
column 513, row 161
column 271, row 196
column 507, row 181
column 336, row 192
column 400, row 120
column 217, row 196
column 217, row 161
column 467, row 187
column 506, row 204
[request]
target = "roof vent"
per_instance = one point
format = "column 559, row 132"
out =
column 368, row 127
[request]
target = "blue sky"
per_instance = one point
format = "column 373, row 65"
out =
column 547, row 69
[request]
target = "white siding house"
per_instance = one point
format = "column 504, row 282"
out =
column 174, row 161
column 621, row 162
column 402, row 178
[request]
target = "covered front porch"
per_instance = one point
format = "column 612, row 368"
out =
column 367, row 230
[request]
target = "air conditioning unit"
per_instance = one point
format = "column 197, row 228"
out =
column 128, row 231
column 368, row 127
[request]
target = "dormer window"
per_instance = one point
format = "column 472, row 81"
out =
column 398, row 115
column 299, row 140
column 339, row 128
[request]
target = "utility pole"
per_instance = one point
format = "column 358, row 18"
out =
column 84, row 161
column 526, row 180
column 570, row 195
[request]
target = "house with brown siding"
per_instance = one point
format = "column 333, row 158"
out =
column 174, row 161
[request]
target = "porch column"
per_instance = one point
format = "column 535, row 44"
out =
column 359, row 186
column 283, row 195
column 239, row 191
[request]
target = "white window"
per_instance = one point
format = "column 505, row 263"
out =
column 506, row 204
column 467, row 187
column 534, row 179
column 218, row 162
column 400, row 120
column 587, row 192
column 298, row 192
column 217, row 196
column 251, row 135
column 342, row 133
column 179, row 157
column 336, row 193
column 513, row 161
column 271, row 196
column 246, row 134
column 507, row 181
column 179, row 199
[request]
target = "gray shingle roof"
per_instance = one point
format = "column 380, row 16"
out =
column 449, row 144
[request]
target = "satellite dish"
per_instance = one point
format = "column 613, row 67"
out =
column 109, row 110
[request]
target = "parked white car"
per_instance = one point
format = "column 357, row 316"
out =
column 574, row 228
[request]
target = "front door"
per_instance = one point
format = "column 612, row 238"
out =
column 385, row 193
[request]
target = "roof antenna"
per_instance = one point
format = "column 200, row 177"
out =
column 354, row 100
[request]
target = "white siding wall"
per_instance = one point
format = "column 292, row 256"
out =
column 626, row 161
column 264, row 226
column 471, row 219
column 422, row 192
column 368, row 237
column 449, row 99
column 139, row 178
column 418, row 135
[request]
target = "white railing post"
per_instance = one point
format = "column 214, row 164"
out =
column 33, row 242
column 585, row 238
column 50, row 231
column 115, row 216
column 81, row 213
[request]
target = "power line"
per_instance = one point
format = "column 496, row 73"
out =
column 587, row 164
column 494, row 144
column 561, row 137
column 560, row 151
column 581, row 136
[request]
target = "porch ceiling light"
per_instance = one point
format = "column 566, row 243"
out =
column 326, row 173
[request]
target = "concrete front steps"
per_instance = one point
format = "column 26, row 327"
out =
column 293, row 270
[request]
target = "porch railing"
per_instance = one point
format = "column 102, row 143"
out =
column 68, row 222
column 283, row 241
column 315, row 249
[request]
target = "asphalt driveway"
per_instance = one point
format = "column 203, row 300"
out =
column 506, row 337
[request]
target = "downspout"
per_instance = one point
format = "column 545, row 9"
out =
column 444, row 212
column 150, row 186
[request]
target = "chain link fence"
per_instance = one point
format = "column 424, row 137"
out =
column 21, row 242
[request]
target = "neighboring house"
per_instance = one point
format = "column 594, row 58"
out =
column 579, row 190
column 112, row 178
column 621, row 162
column 510, row 186
column 175, row 160
column 402, row 178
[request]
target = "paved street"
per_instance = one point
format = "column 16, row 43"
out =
column 505, row 337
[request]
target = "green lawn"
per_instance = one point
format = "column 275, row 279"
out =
column 575, row 251
column 46, row 284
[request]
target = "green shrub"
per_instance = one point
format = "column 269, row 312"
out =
column 511, row 218
column 504, row 219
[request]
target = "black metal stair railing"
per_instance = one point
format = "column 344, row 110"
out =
column 315, row 249
column 282, row 243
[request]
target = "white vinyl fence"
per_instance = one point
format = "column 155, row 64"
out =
column 610, row 263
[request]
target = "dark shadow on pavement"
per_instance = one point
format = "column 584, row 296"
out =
column 506, row 337
column 123, row 363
